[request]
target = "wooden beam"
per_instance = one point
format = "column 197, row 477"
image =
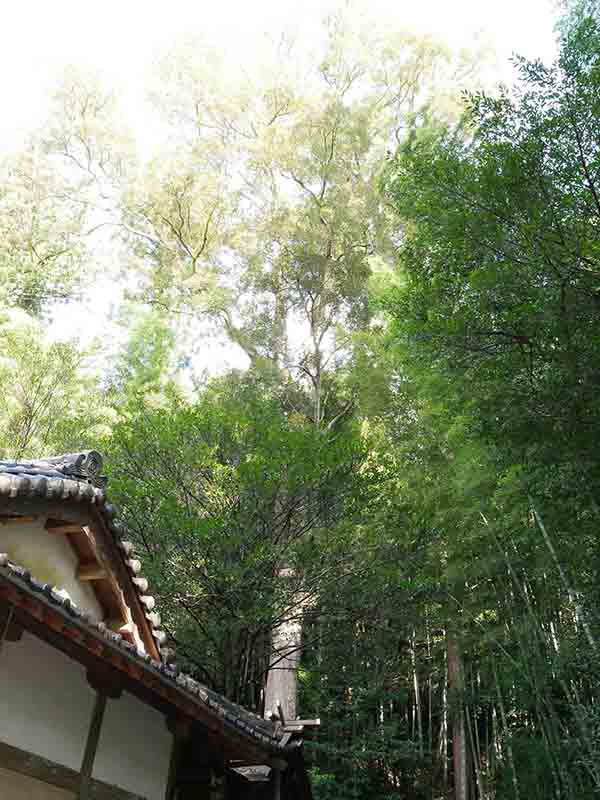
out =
column 87, row 765
column 64, row 528
column 41, row 769
column 56, row 512
column 300, row 724
column 103, row 683
column 8, row 521
column 91, row 572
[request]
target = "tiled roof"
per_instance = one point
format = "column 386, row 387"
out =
column 76, row 478
column 243, row 721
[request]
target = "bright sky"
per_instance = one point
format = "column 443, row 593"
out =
column 123, row 38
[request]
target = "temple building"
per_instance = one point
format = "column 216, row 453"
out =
column 93, row 705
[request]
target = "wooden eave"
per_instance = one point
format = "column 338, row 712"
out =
column 94, row 544
column 123, row 667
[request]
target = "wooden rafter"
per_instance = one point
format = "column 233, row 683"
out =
column 65, row 528
column 93, row 571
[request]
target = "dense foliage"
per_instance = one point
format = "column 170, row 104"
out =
column 221, row 494
column 496, row 322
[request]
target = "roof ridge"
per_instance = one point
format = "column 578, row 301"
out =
column 86, row 465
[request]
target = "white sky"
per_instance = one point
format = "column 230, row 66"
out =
column 123, row 38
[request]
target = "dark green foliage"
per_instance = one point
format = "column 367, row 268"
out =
column 221, row 494
column 502, row 257
column 496, row 329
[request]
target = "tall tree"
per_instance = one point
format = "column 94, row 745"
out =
column 268, row 219
column 218, row 494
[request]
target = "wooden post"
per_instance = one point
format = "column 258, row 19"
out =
column 9, row 631
column 276, row 784
column 6, row 625
column 104, row 688
column 91, row 746
column 173, row 767
column 180, row 728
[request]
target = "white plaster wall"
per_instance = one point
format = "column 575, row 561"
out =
column 45, row 701
column 134, row 748
column 50, row 559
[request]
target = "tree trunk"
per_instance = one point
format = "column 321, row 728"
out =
column 281, row 691
column 443, row 745
column 280, row 349
column 459, row 743
column 417, row 691
column 282, row 680
column 507, row 735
